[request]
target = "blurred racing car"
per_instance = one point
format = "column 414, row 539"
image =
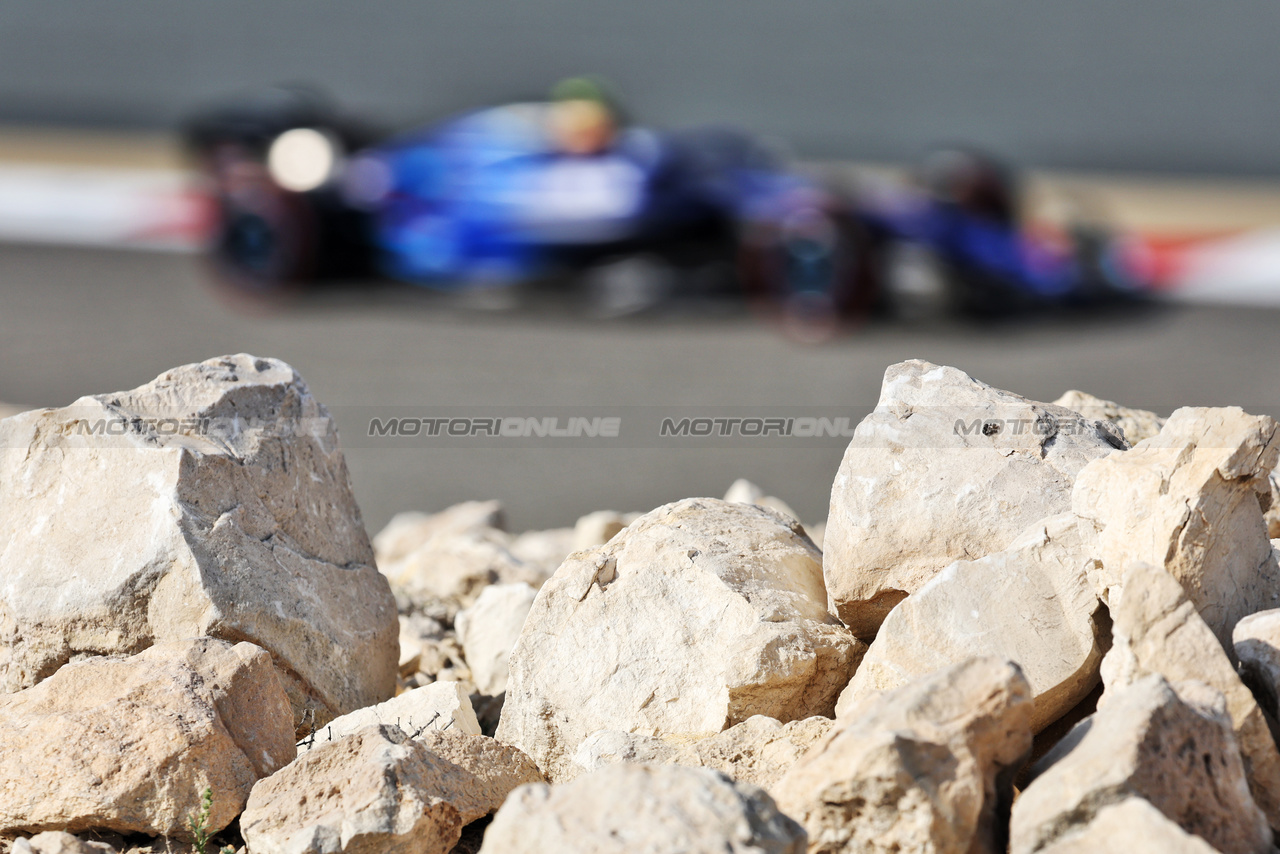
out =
column 511, row 193
column 953, row 241
column 507, row 194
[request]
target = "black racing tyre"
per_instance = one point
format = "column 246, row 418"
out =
column 813, row 276
column 266, row 248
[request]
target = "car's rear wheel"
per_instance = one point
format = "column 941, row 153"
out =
column 810, row 272
column 267, row 248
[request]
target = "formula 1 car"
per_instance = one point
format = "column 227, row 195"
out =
column 511, row 193
column 952, row 241
column 508, row 194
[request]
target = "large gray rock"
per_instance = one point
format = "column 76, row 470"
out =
column 1146, row 742
column 376, row 790
column 1188, row 500
column 1157, row 630
column 131, row 744
column 630, row 809
column 1031, row 603
column 926, row 768
column 946, row 468
column 213, row 501
column 697, row 616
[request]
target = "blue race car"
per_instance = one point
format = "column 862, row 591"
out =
column 520, row 192
column 952, row 241
column 527, row 191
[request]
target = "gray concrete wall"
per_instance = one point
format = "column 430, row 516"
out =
column 1168, row 85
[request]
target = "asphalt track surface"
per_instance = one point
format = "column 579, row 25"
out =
column 76, row 322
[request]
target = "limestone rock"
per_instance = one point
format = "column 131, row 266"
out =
column 406, row 532
column 1031, row 603
column 488, row 631
column 375, row 790
column 417, row 632
column 436, row 706
column 757, row 751
column 1157, row 630
column 458, row 565
column 946, row 468
column 1188, row 500
column 1256, row 640
column 131, row 744
column 925, row 768
column 1135, row 424
column 544, row 550
column 697, row 616
column 630, row 809
column 596, row 529
column 439, row 659
column 1132, row 826
column 213, row 501
column 59, row 842
column 482, row 771
column 743, row 491
column 1146, row 742
column 615, row 747
column 8, row 410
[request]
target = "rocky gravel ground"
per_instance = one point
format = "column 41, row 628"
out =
column 1025, row 627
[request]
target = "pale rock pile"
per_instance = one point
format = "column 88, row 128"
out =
column 1030, row 603
column 758, row 751
column 82, row 750
column 626, row 809
column 946, row 468
column 1189, row 499
column 437, row 707
column 213, row 502
column 927, row 767
column 1168, row 746
column 1157, row 630
column 697, row 616
column 1135, row 424
column 488, row 631
column 1009, row 592
column 462, row 560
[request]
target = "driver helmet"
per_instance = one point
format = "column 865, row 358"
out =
column 583, row 117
